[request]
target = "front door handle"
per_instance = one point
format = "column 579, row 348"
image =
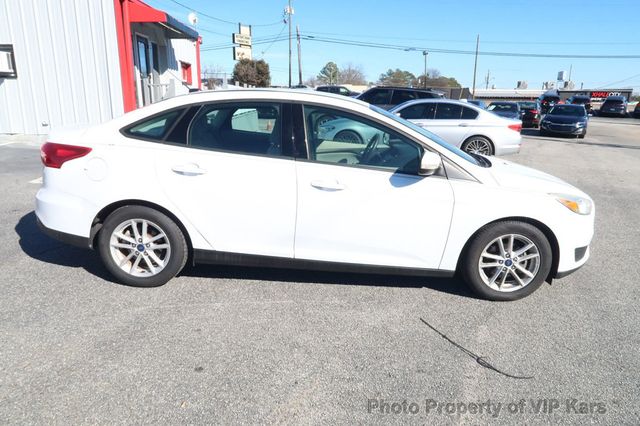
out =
column 328, row 185
column 190, row 169
column 463, row 125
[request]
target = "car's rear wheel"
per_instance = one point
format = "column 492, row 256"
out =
column 141, row 246
column 478, row 145
column 507, row 261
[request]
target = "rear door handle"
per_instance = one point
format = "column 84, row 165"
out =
column 463, row 125
column 328, row 185
column 190, row 169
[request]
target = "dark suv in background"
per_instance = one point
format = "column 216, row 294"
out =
column 584, row 100
column 388, row 97
column 529, row 113
column 340, row 90
column 636, row 111
column 614, row 105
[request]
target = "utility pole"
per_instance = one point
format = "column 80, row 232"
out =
column 475, row 68
column 289, row 13
column 425, row 53
column 486, row 79
column 570, row 69
column 299, row 57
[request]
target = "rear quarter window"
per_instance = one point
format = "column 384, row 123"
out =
column 155, row 127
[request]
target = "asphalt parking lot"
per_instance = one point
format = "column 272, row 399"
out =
column 238, row 345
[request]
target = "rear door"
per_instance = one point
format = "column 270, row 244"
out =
column 235, row 179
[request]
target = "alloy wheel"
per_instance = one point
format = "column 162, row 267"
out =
column 140, row 247
column 478, row 146
column 509, row 263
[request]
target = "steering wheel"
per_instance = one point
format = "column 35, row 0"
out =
column 370, row 150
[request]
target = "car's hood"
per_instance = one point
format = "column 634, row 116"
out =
column 513, row 175
column 564, row 119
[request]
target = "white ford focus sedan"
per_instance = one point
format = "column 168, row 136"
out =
column 247, row 178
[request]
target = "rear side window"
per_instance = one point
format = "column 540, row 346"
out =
column 378, row 97
column 428, row 95
column 469, row 114
column 241, row 128
column 400, row 96
column 446, row 111
column 156, row 127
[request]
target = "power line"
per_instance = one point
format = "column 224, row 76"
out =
column 459, row 51
column 386, row 37
column 619, row 81
column 274, row 40
column 219, row 19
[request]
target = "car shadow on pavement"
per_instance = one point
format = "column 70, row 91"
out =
column 453, row 285
column 41, row 247
column 35, row 244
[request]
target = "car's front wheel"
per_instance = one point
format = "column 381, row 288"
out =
column 507, row 261
column 141, row 246
column 478, row 145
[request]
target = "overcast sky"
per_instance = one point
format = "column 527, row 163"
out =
column 569, row 27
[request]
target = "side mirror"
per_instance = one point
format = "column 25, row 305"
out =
column 429, row 163
column 398, row 114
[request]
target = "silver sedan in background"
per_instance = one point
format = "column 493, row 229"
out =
column 463, row 125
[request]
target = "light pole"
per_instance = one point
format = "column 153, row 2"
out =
column 289, row 12
column 425, row 53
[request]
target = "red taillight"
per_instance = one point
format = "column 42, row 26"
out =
column 516, row 127
column 56, row 154
column 533, row 111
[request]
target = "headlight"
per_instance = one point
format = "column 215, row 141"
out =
column 579, row 124
column 576, row 204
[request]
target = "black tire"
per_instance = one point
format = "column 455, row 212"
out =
column 174, row 256
column 470, row 269
column 543, row 133
column 348, row 136
column 582, row 136
column 468, row 145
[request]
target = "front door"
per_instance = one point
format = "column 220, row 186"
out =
column 361, row 200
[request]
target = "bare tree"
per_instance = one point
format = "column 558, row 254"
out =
column 311, row 81
column 352, row 74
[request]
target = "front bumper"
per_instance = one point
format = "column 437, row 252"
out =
column 563, row 129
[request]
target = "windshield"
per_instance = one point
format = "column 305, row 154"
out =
column 503, row 108
column 427, row 134
column 528, row 105
column 574, row 111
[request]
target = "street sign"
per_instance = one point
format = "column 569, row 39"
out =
column 241, row 52
column 242, row 39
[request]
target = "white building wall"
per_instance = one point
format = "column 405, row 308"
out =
column 67, row 62
column 185, row 51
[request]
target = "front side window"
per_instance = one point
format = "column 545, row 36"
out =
column 424, row 111
column 342, row 138
column 242, row 128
